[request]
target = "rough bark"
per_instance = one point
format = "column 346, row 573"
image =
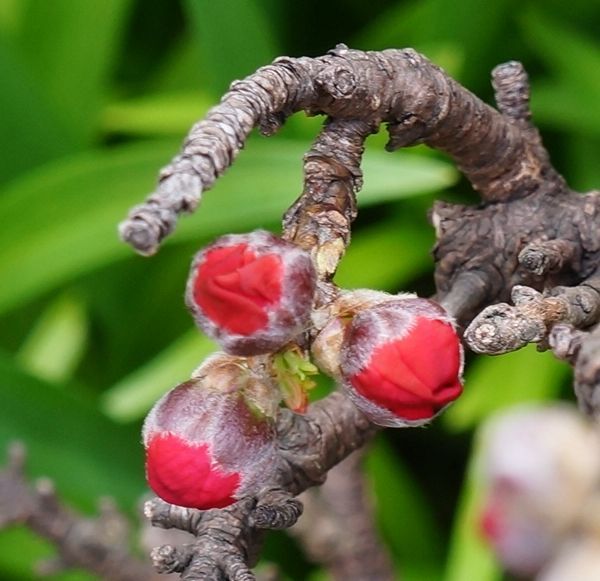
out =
column 100, row 545
column 340, row 505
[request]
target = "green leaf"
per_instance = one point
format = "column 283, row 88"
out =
column 456, row 34
column 582, row 155
column 31, row 131
column 11, row 16
column 134, row 395
column 55, row 345
column 565, row 106
column 162, row 114
column 22, row 550
column 234, row 38
column 463, row 24
column 71, row 47
column 494, row 383
column 469, row 557
column 85, row 454
column 407, row 24
column 403, row 515
column 568, row 52
column 386, row 256
column 65, row 214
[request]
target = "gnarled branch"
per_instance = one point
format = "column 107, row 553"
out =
column 531, row 236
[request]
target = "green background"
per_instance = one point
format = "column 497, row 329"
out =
column 96, row 96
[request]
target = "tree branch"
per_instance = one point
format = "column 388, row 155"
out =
column 531, row 237
column 99, row 545
column 337, row 529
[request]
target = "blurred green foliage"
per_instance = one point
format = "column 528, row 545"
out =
column 97, row 96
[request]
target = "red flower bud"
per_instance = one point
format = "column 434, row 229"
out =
column 401, row 362
column 251, row 292
column 207, row 441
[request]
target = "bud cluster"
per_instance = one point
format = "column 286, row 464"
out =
column 211, row 440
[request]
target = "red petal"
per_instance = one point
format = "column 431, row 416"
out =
column 234, row 287
column 186, row 476
column 491, row 524
column 416, row 376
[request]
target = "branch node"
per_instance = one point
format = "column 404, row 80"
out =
column 502, row 328
column 511, row 87
column 276, row 509
column 166, row 516
column 565, row 342
column 548, row 256
column 170, row 559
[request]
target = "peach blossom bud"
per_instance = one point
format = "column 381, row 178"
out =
column 209, row 441
column 401, row 362
column 251, row 292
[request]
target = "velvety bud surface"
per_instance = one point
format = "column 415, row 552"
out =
column 251, row 292
column 206, row 445
column 402, row 361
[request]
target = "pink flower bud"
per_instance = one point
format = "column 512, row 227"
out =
column 208, row 443
column 401, row 362
column 540, row 470
column 251, row 292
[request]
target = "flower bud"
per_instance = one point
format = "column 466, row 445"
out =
column 401, row 362
column 252, row 293
column 210, row 441
column 540, row 470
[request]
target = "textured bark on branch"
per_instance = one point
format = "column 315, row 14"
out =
column 531, row 238
column 340, row 505
column 99, row 545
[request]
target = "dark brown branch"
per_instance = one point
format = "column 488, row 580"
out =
column 99, row 545
column 511, row 87
column 531, row 236
column 337, row 528
column 582, row 350
column 320, row 219
column 417, row 100
column 502, row 328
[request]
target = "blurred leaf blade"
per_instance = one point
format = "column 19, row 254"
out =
column 133, row 396
column 85, row 454
column 563, row 106
column 92, row 192
column 406, row 245
column 31, row 131
column 71, row 48
column 469, row 557
column 403, row 515
column 234, row 38
column 55, row 345
column 22, row 550
column 571, row 55
column 159, row 114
